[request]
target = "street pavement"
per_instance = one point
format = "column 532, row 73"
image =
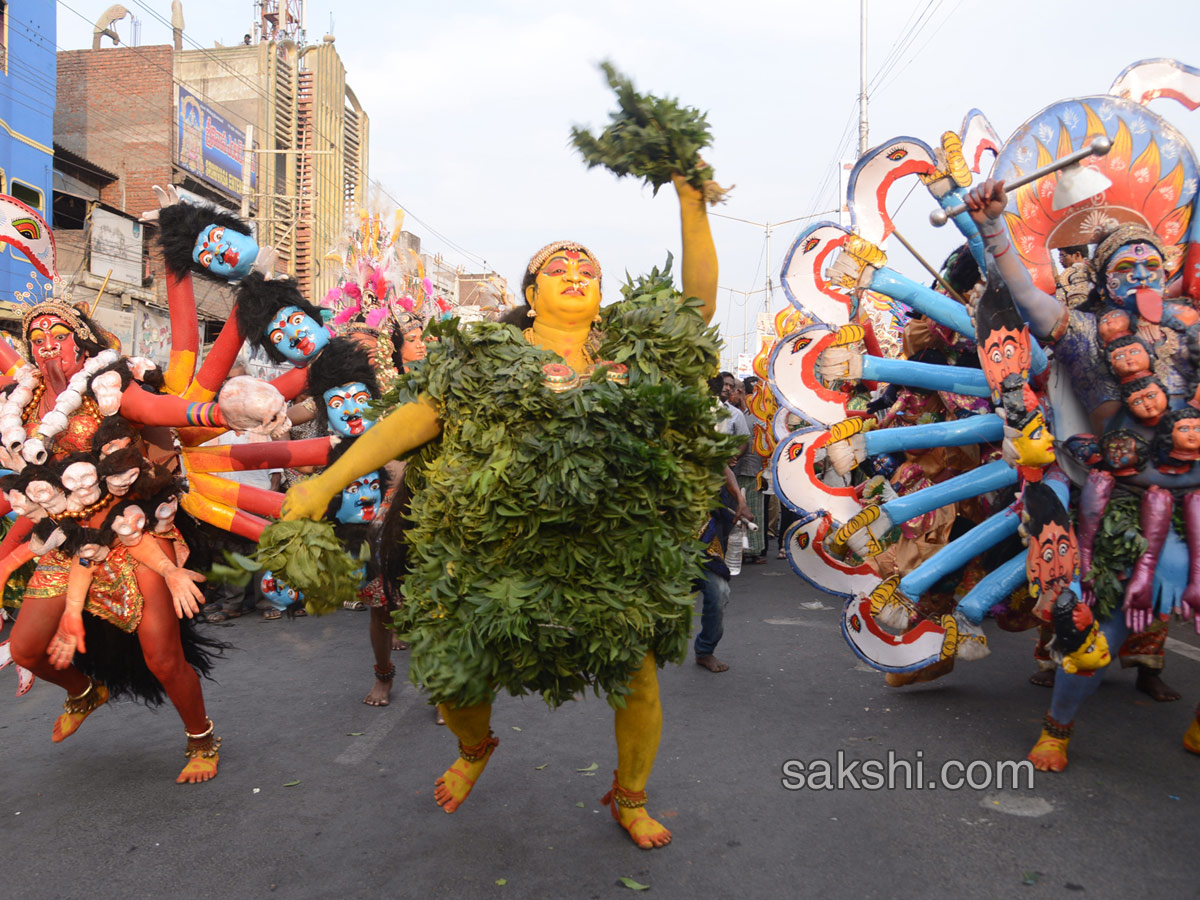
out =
column 321, row 796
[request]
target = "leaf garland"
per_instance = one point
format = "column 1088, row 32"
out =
column 305, row 554
column 553, row 542
column 1115, row 549
column 651, row 138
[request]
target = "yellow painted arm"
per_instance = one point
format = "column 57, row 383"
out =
column 404, row 429
column 699, row 251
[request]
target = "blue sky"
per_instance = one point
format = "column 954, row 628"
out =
column 471, row 105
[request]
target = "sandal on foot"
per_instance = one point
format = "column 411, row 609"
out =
column 356, row 605
column 272, row 614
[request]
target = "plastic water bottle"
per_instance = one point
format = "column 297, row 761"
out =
column 734, row 548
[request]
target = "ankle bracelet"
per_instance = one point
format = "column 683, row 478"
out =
column 1056, row 729
column 627, row 799
column 385, row 674
column 476, row 752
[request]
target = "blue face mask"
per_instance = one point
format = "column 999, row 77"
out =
column 294, row 334
column 278, row 594
column 346, row 406
column 360, row 500
column 224, row 252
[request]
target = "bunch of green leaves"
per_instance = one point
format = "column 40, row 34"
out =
column 651, row 138
column 554, row 537
column 14, row 588
column 307, row 556
column 1115, row 549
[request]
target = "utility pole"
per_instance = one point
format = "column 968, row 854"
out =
column 862, row 80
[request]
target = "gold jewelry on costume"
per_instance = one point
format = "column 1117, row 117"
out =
column 64, row 311
column 624, row 798
column 479, row 751
column 539, row 258
column 204, row 744
column 85, row 702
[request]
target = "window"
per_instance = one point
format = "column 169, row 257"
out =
column 28, row 195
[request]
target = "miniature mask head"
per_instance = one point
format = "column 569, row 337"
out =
column 360, row 500
column 164, row 515
column 296, row 335
column 225, row 252
column 1146, row 399
column 1052, row 556
column 1128, row 357
column 346, row 407
column 47, row 495
column 1083, row 646
column 278, row 594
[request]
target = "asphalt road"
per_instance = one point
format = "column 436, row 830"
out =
column 320, row 796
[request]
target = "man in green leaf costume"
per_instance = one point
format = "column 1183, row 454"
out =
column 552, row 547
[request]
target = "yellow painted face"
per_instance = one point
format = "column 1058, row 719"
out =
column 566, row 293
column 1091, row 656
column 1035, row 446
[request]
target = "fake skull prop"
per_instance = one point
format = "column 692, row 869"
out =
column 81, row 480
column 23, row 506
column 106, row 387
column 47, row 495
column 120, row 483
column 164, row 515
column 55, row 540
column 129, row 525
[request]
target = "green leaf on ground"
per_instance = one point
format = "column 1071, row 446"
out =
column 291, row 783
column 592, row 768
column 502, row 881
column 633, row 885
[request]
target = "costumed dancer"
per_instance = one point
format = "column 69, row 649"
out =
column 557, row 513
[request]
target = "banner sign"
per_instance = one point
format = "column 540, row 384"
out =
column 209, row 147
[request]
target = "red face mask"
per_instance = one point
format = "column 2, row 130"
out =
column 55, row 352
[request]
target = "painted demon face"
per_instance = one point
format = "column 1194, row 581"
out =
column 226, row 253
column 55, row 352
column 1122, row 451
column 1133, row 268
column 346, row 407
column 1050, row 561
column 296, row 335
column 360, row 500
column 1005, row 352
column 278, row 594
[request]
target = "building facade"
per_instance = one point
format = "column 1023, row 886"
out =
column 27, row 96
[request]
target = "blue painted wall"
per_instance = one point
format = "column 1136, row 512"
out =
column 28, row 75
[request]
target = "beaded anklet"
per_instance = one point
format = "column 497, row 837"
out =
column 476, row 752
column 1057, row 729
column 624, row 798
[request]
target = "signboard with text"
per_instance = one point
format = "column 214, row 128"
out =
column 209, row 146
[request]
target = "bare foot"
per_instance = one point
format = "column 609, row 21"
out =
column 202, row 759
column 1191, row 737
column 1149, row 682
column 398, row 644
column 457, row 781
column 68, row 723
column 1043, row 678
column 713, row 664
column 202, row 768
column 438, row 718
column 380, row 693
column 1049, row 754
column 646, row 832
